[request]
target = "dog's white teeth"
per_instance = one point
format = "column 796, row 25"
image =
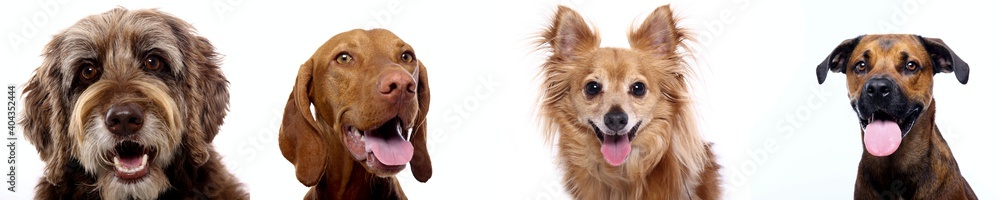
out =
column 145, row 158
column 362, row 138
column 118, row 163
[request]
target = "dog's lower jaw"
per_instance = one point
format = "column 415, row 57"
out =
column 149, row 187
column 885, row 127
column 616, row 147
column 387, row 139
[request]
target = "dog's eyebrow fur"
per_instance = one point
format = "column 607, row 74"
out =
column 76, row 49
column 903, row 57
column 160, row 42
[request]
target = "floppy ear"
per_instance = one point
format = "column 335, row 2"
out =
column 212, row 93
column 41, row 106
column 215, row 89
column 945, row 60
column 420, row 165
column 38, row 127
column 37, row 112
column 658, row 33
column 569, row 35
column 299, row 138
column 837, row 60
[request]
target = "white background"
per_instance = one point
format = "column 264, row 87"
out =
column 778, row 134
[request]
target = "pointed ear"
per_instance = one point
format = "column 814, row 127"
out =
column 568, row 36
column 945, row 60
column 658, row 33
column 299, row 138
column 420, row 165
column 837, row 60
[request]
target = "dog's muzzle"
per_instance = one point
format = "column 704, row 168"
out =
column 616, row 142
column 131, row 159
column 886, row 115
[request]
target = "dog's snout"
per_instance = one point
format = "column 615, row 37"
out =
column 124, row 119
column 396, row 85
column 879, row 87
column 616, row 119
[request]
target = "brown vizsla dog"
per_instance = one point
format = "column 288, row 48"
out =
column 890, row 79
column 371, row 96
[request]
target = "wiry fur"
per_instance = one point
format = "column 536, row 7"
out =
column 183, row 104
column 669, row 159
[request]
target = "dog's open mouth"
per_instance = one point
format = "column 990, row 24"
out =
column 131, row 160
column 382, row 148
column 616, row 146
column 883, row 132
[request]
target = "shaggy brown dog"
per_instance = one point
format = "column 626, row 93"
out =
column 125, row 105
column 624, row 116
column 371, row 95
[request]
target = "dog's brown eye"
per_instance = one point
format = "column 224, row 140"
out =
column 406, row 57
column 861, row 66
column 592, row 88
column 638, row 89
column 89, row 73
column 344, row 58
column 912, row 66
column 153, row 63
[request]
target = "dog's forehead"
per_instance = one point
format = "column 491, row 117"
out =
column 375, row 41
column 368, row 38
column 617, row 65
column 889, row 44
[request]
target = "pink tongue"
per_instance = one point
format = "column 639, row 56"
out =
column 391, row 151
column 882, row 137
column 130, row 162
column 616, row 149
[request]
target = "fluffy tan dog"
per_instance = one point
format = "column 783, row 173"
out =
column 624, row 116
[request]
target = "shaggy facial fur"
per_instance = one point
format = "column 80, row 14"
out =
column 624, row 117
column 371, row 96
column 125, row 106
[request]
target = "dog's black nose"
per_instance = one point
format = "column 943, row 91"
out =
column 879, row 87
column 124, row 119
column 616, row 119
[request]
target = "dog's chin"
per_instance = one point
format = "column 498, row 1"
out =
column 883, row 130
column 616, row 146
column 383, row 150
column 133, row 174
column 149, row 186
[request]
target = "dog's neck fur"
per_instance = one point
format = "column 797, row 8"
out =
column 909, row 168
